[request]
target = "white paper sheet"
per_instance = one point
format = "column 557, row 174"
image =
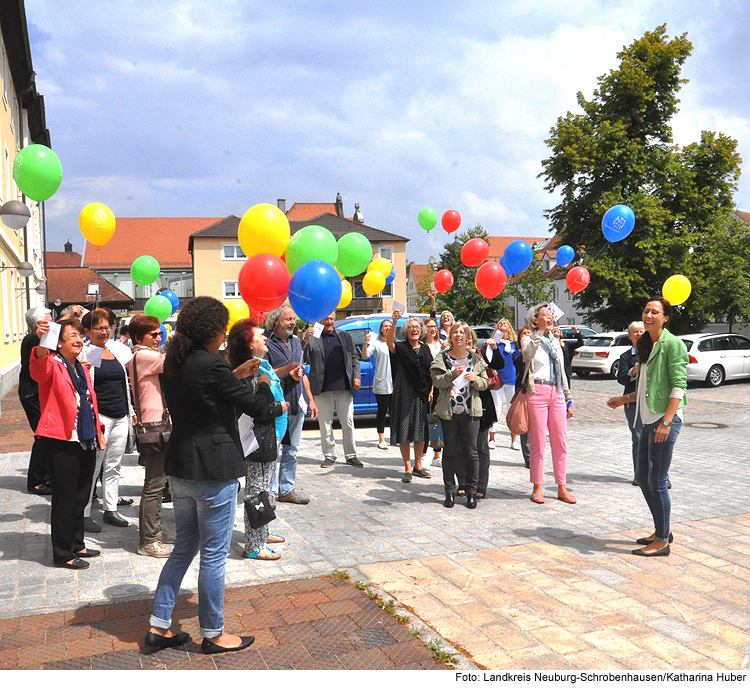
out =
column 94, row 355
column 556, row 311
column 489, row 353
column 460, row 382
column 498, row 336
column 50, row 337
column 247, row 435
column 399, row 306
column 317, row 329
column 121, row 352
column 302, row 403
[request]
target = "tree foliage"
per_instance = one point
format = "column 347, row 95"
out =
column 620, row 150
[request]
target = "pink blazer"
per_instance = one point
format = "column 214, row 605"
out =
column 57, row 397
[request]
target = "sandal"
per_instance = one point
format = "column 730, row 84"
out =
column 272, row 538
column 265, row 554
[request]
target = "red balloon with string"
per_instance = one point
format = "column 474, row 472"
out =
column 264, row 282
column 490, row 280
column 577, row 279
column 474, row 252
column 443, row 281
column 451, row 221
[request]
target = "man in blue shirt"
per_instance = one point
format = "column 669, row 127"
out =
column 285, row 355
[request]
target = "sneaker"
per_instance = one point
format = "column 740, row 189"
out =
column 90, row 526
column 435, row 463
column 328, row 462
column 515, row 445
column 155, row 549
column 492, row 444
column 165, row 537
column 292, row 497
column 406, row 477
column 355, row 462
column 383, row 445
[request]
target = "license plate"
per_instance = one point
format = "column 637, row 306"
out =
column 585, row 355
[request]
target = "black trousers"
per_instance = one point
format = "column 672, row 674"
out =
column 71, row 469
column 37, row 468
column 460, row 439
column 483, row 451
column 384, row 403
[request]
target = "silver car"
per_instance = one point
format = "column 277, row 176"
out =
column 715, row 358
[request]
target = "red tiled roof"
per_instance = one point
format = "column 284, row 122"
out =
column 54, row 260
column 304, row 212
column 743, row 215
column 166, row 239
column 498, row 243
column 70, row 286
column 419, row 272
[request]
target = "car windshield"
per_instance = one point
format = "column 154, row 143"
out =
column 484, row 332
column 597, row 341
column 688, row 343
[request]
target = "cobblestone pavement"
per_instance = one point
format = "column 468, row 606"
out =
column 562, row 557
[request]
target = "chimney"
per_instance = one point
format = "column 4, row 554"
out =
column 358, row 217
column 68, row 247
column 281, row 203
column 339, row 205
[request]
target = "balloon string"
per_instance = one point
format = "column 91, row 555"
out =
column 598, row 253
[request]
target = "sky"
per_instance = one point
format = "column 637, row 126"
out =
column 192, row 108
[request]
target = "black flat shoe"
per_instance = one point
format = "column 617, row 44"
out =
column 663, row 552
column 124, row 502
column 208, row 647
column 450, row 501
column 89, row 552
column 155, row 642
column 114, row 519
column 471, row 501
column 646, row 541
column 76, row 564
column 42, row 490
column 90, row 526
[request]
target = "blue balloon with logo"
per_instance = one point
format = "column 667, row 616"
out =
column 171, row 296
column 164, row 332
column 565, row 256
column 518, row 255
column 391, row 277
column 314, row 290
column 618, row 223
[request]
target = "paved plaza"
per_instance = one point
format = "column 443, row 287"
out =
column 510, row 584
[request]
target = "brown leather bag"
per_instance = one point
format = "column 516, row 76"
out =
column 517, row 418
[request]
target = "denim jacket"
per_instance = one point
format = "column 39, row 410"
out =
column 667, row 372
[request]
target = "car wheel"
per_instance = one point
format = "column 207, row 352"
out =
column 615, row 366
column 715, row 376
column 581, row 373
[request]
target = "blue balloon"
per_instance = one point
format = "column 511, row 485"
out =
column 565, row 256
column 314, row 290
column 618, row 223
column 171, row 296
column 518, row 256
column 164, row 332
column 504, row 264
column 391, row 277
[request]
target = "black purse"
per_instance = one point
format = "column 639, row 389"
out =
column 152, row 437
column 258, row 510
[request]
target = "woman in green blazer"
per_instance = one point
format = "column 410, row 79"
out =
column 660, row 394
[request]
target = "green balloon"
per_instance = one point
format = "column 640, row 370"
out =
column 145, row 270
column 355, row 253
column 159, row 307
column 37, row 171
column 428, row 218
column 313, row 242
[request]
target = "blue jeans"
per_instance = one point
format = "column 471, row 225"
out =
column 635, row 426
column 288, row 455
column 654, row 460
column 204, row 517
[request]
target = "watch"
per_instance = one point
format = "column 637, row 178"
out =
column 667, row 423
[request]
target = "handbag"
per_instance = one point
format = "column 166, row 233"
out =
column 494, row 377
column 258, row 510
column 517, row 418
column 435, row 427
column 152, row 436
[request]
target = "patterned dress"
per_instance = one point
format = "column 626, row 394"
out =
column 408, row 409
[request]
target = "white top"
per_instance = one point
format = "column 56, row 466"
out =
column 542, row 369
column 642, row 408
column 382, row 381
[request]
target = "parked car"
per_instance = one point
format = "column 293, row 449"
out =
column 715, row 358
column 358, row 326
column 601, row 353
column 568, row 335
column 484, row 332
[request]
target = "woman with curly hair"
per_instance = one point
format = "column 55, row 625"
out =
column 204, row 460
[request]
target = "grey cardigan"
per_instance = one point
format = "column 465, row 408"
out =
column 529, row 347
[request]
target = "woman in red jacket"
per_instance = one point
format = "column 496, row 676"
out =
column 70, row 432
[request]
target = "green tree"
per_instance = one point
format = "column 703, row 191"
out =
column 620, row 150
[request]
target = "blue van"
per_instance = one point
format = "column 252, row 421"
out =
column 358, row 326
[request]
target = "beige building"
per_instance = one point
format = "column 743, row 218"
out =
column 218, row 257
column 22, row 122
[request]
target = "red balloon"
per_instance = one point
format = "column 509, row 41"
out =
column 577, row 279
column 264, row 282
column 257, row 316
column 490, row 279
column 451, row 221
column 443, row 281
column 474, row 252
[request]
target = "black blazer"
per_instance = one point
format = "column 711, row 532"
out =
column 489, row 416
column 315, row 356
column 627, row 360
column 202, row 395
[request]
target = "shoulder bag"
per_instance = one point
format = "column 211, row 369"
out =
column 259, row 510
column 152, row 436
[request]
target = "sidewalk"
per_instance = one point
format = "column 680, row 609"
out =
column 512, row 584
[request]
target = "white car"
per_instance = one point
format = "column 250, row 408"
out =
column 601, row 353
column 715, row 358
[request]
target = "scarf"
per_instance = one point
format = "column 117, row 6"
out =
column 278, row 394
column 555, row 366
column 86, row 418
column 416, row 366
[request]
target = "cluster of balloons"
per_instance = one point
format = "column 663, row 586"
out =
column 428, row 218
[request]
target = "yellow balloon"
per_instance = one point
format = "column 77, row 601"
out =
column 676, row 289
column 238, row 310
column 346, row 294
column 382, row 265
column 97, row 223
column 264, row 229
column 373, row 283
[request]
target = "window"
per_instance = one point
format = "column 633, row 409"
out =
column 387, row 292
column 722, row 344
column 6, row 307
column 571, row 321
column 6, row 190
column 231, row 252
column 568, row 295
column 231, row 289
column 6, row 73
column 742, row 343
column 386, row 252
